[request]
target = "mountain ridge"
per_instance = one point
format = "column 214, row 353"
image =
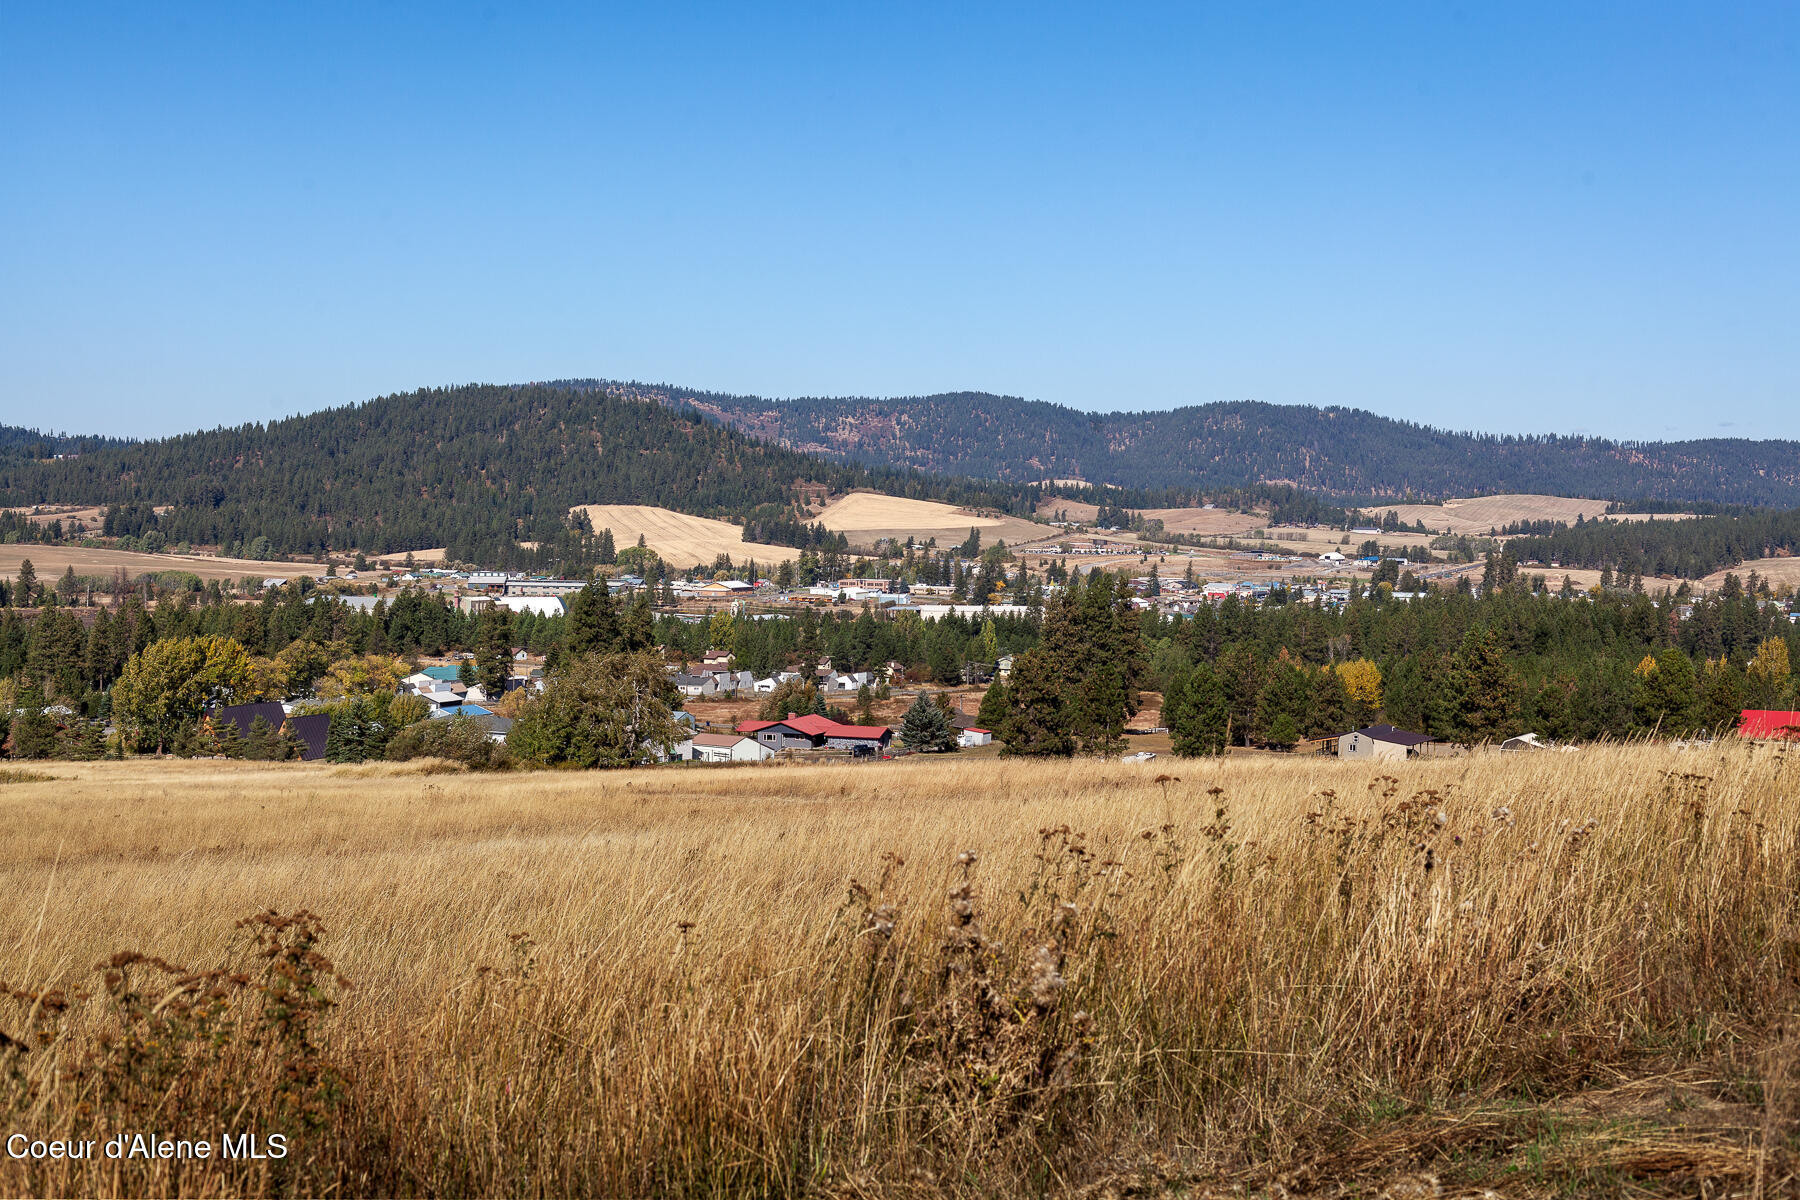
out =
column 1335, row 451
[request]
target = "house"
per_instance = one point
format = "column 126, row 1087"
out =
column 1769, row 723
column 792, row 733
column 694, row 686
column 722, row 747
column 1381, row 741
column 813, row 732
column 858, row 737
column 722, row 587
column 1331, row 556
column 975, row 737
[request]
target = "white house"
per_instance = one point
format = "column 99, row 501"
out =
column 975, row 737
column 694, row 686
column 721, row 747
column 1331, row 556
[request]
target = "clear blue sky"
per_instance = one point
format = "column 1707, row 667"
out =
column 1518, row 217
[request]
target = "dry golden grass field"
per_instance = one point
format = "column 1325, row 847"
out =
column 1476, row 515
column 51, row 561
column 1776, row 570
column 1497, row 975
column 866, row 516
column 681, row 540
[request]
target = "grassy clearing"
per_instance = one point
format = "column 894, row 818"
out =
column 1538, row 975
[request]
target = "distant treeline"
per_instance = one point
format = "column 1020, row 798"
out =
column 1687, row 549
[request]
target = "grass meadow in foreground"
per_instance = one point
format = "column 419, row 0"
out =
column 1536, row 974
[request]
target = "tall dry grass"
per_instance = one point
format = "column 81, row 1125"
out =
column 984, row 977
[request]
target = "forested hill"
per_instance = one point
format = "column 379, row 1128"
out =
column 478, row 469
column 16, row 442
column 1340, row 452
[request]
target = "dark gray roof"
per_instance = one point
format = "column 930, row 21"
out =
column 1399, row 737
column 312, row 731
column 244, row 715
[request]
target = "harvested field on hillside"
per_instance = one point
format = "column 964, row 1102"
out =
column 864, row 517
column 51, row 561
column 1537, row 974
column 681, row 540
column 1207, row 522
column 1478, row 514
column 433, row 555
column 1776, row 570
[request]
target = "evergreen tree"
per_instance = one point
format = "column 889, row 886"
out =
column 493, row 651
column 26, row 588
column 1036, row 724
column 593, row 626
column 639, row 627
column 1484, row 693
column 263, row 744
column 1284, row 703
column 992, row 713
column 33, row 731
column 925, row 727
column 1197, row 712
column 1666, row 693
column 227, row 741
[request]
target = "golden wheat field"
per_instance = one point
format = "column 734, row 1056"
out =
column 682, row 540
column 1503, row 975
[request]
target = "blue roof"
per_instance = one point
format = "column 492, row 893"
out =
column 447, row 674
column 473, row 710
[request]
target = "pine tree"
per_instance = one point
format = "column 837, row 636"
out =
column 27, row 586
column 1197, row 713
column 33, row 732
column 493, row 651
column 1036, row 724
column 639, row 627
column 593, row 626
column 992, row 713
column 227, row 741
column 1483, row 691
column 263, row 745
column 925, row 727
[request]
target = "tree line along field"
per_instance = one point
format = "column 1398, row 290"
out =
column 1509, row 975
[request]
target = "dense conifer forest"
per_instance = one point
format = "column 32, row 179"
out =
column 1338, row 452
column 478, row 469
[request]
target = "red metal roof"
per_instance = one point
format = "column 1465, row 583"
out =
column 1769, row 723
column 876, row 732
column 813, row 725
